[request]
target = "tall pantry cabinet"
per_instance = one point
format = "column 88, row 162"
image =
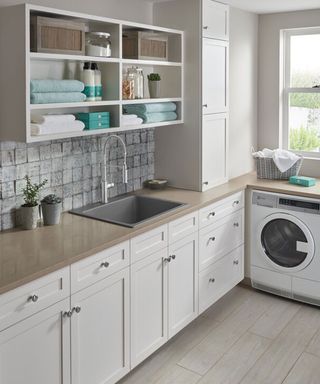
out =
column 195, row 154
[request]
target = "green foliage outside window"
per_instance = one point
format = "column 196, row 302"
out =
column 303, row 139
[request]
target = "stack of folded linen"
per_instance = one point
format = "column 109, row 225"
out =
column 51, row 124
column 153, row 112
column 130, row 120
column 56, row 91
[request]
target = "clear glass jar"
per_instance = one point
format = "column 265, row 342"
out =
column 139, row 94
column 98, row 44
column 128, row 83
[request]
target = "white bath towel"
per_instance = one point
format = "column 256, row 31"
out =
column 51, row 118
column 129, row 117
column 136, row 121
column 52, row 128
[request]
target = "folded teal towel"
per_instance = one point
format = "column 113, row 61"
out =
column 150, row 108
column 157, row 117
column 41, row 86
column 57, row 97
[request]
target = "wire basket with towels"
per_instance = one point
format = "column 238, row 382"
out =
column 277, row 164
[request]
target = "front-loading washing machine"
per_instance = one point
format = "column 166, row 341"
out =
column 285, row 245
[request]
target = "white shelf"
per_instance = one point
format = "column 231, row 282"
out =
column 151, row 62
column 74, row 105
column 148, row 101
column 35, row 139
column 59, row 57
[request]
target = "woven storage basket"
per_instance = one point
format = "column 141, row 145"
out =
column 267, row 169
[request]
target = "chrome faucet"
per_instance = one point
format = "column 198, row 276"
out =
column 105, row 185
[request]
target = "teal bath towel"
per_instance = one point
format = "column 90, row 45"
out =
column 150, row 108
column 43, row 86
column 57, row 97
column 158, row 117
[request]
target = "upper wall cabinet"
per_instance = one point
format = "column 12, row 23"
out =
column 215, row 20
column 40, row 43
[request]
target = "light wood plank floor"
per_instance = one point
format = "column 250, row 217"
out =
column 248, row 337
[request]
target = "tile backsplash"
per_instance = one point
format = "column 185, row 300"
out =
column 72, row 168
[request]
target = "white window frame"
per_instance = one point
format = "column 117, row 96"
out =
column 285, row 88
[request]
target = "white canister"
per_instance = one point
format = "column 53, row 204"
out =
column 98, row 44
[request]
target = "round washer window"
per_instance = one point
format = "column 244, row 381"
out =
column 279, row 239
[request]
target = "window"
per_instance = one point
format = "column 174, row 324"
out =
column 301, row 91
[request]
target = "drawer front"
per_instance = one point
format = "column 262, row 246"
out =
column 31, row 298
column 221, row 277
column 216, row 240
column 220, row 209
column 92, row 269
column 148, row 243
column 180, row 228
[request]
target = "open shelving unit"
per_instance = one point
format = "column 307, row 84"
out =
column 16, row 109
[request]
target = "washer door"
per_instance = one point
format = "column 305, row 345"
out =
column 286, row 242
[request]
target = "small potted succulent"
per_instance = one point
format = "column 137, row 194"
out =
column 51, row 207
column 154, row 85
column 30, row 208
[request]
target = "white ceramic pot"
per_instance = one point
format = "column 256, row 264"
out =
column 154, row 89
column 29, row 217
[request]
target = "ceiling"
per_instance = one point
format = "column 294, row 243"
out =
column 269, row 6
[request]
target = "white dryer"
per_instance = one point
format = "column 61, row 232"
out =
column 285, row 245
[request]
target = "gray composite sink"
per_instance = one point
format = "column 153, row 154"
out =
column 128, row 211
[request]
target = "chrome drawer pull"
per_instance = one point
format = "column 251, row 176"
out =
column 236, row 224
column 212, row 238
column 235, row 262
column 212, row 280
column 236, row 202
column 33, row 298
column 105, row 264
column 205, row 27
column 211, row 214
column 205, row 105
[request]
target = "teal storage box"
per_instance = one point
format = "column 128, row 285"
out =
column 95, row 120
column 303, row 181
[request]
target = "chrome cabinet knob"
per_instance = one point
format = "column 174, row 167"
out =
column 236, row 202
column 77, row 309
column 206, row 183
column 212, row 280
column 205, row 105
column 236, row 224
column 33, row 298
column 167, row 259
column 206, row 27
column 105, row 264
column 173, row 257
column 212, row 238
column 235, row 262
column 211, row 214
column 67, row 314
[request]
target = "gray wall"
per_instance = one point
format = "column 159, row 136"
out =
column 243, row 90
column 269, row 69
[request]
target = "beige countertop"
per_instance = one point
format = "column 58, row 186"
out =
column 27, row 255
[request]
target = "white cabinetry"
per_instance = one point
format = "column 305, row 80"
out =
column 100, row 331
column 202, row 144
column 37, row 349
column 215, row 20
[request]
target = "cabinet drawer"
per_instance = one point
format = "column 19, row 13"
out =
column 221, row 277
column 182, row 227
column 220, row 209
column 220, row 238
column 148, row 243
column 31, row 298
column 99, row 266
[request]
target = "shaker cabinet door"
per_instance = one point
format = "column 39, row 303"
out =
column 214, row 150
column 215, row 20
column 214, row 76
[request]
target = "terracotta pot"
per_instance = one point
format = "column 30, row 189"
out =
column 29, row 217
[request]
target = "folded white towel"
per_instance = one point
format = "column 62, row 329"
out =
column 283, row 159
column 52, row 128
column 136, row 121
column 129, row 117
column 41, row 119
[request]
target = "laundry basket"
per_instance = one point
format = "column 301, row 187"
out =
column 267, row 169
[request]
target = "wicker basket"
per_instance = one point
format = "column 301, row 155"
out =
column 267, row 169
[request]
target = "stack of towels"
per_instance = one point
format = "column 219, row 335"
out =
column 127, row 120
column 153, row 112
column 56, row 91
column 51, row 124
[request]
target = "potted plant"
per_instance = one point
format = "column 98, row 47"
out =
column 154, row 85
column 30, row 208
column 51, row 207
